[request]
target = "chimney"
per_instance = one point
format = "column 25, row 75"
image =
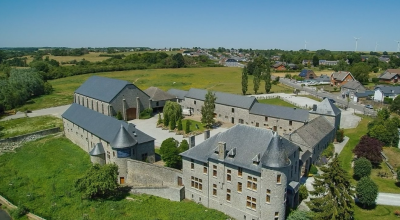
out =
column 314, row 107
column 192, row 141
column 221, row 150
column 206, row 134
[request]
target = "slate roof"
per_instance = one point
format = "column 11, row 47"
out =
column 157, row 94
column 390, row 73
column 180, row 94
column 102, row 88
column 303, row 73
column 239, row 101
column 389, row 89
column 249, row 142
column 323, row 78
column 97, row 150
column 309, row 135
column 122, row 139
column 275, row 156
column 341, row 75
column 231, row 60
column 104, row 127
column 294, row 114
column 326, row 107
column 354, row 85
column 364, row 94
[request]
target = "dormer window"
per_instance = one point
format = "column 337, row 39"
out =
column 256, row 159
column 232, row 153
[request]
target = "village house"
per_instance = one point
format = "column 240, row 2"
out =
column 328, row 62
column 352, row 87
column 340, row 78
column 110, row 96
column 390, row 76
column 231, row 63
column 279, row 66
column 158, row 98
column 307, row 74
column 383, row 91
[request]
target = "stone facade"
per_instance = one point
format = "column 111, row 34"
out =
column 282, row 126
column 94, row 104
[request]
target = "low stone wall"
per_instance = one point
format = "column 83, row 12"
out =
column 142, row 174
column 10, row 144
column 7, row 203
column 171, row 193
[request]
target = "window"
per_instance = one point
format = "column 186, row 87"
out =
column 268, row 198
column 276, row 215
column 266, row 118
column 251, row 202
column 191, row 164
column 274, row 129
column 157, row 103
column 214, row 189
column 228, row 195
column 113, row 153
column 285, row 195
column 228, row 175
column 195, row 102
column 196, row 183
column 233, row 110
column 278, row 178
column 290, row 123
column 251, row 183
column 108, row 155
column 257, row 125
column 240, row 171
column 214, row 170
column 239, row 187
column 241, row 121
column 205, row 168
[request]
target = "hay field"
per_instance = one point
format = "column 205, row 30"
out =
column 223, row 79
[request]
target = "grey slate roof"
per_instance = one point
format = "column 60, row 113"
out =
column 389, row 89
column 364, row 94
column 341, row 75
column 294, row 114
column 104, row 127
column 323, row 78
column 326, row 108
column 354, row 85
column 122, row 139
column 249, row 141
column 276, row 155
column 157, row 94
column 390, row 73
column 239, row 101
column 102, row 88
column 309, row 135
column 97, row 150
column 180, row 94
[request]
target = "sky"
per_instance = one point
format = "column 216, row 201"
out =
column 284, row 24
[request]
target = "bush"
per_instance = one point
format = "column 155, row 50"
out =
column 328, row 152
column 303, row 193
column 313, row 169
column 159, row 119
column 187, row 127
column 288, row 76
column 362, row 167
column 375, row 80
column 19, row 212
column 387, row 100
column 172, row 124
column 339, row 135
column 145, row 114
column 366, row 191
column 119, row 116
column 180, row 125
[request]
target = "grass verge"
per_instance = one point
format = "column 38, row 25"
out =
column 276, row 101
column 20, row 126
column 41, row 176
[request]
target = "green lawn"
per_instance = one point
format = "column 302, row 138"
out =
column 41, row 176
column 311, row 97
column 381, row 212
column 276, row 101
column 20, row 126
column 193, row 125
column 223, row 79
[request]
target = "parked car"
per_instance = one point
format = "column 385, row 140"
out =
column 369, row 106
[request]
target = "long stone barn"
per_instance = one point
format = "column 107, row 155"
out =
column 107, row 139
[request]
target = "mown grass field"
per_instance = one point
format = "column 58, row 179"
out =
column 20, row 126
column 223, row 79
column 41, row 176
column 381, row 212
column 276, row 101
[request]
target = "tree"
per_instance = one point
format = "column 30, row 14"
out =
column 187, row 127
column 362, row 167
column 395, row 106
column 339, row 135
column 207, row 110
column 360, row 72
column 333, row 193
column 172, row 124
column 179, row 61
column 267, row 79
column 119, row 115
column 369, row 148
column 256, row 79
column 170, row 153
column 384, row 113
column 171, row 110
column 245, row 80
column 180, row 125
column 315, row 61
column 98, row 181
column 384, row 130
column 341, row 66
column 300, row 215
column 366, row 191
column 184, row 146
column 303, row 193
column 159, row 121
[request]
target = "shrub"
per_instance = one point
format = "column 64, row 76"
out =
column 19, row 212
column 335, row 89
column 366, row 191
column 288, row 76
column 362, row 167
column 180, row 125
column 303, row 193
column 159, row 119
column 375, row 80
column 397, row 213
column 187, row 127
column 172, row 124
column 313, row 169
column 339, row 135
column 145, row 114
column 387, row 100
column 119, row 116
column 328, row 152
column 369, row 148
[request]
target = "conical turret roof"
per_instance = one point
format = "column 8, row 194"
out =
column 122, row 139
column 275, row 156
column 97, row 150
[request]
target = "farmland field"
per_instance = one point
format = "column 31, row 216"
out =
column 222, row 79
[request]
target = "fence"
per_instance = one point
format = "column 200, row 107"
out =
column 386, row 159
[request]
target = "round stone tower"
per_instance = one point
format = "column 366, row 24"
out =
column 97, row 154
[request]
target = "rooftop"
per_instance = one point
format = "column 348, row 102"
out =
column 294, row 114
column 157, row 94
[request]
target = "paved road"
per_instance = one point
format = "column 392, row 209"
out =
column 4, row 215
column 55, row 111
column 388, row 199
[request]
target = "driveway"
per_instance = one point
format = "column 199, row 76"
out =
column 55, row 111
column 148, row 126
column 388, row 199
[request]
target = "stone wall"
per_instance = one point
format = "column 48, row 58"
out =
column 171, row 193
column 7, row 203
column 10, row 144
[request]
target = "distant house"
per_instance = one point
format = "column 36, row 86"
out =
column 364, row 58
column 307, row 74
column 390, row 76
column 276, row 58
column 359, row 96
column 328, row 62
column 386, row 91
column 323, row 79
column 231, row 63
column 384, row 58
column 340, row 78
column 292, row 66
column 186, row 53
column 352, row 87
column 306, row 62
column 279, row 66
column 158, row 98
